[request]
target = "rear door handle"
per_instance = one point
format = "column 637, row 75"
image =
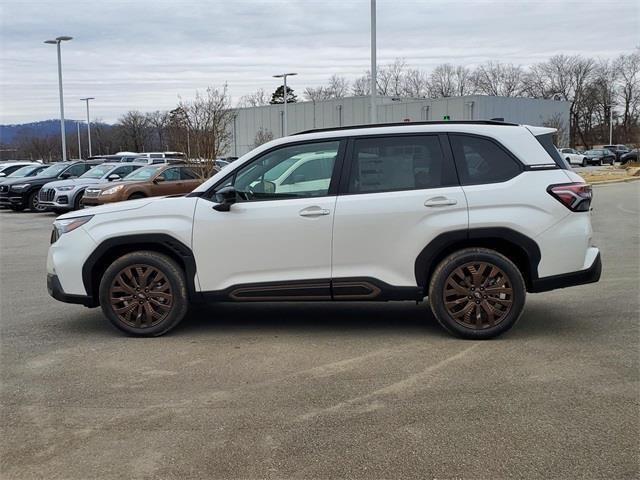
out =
column 440, row 202
column 313, row 212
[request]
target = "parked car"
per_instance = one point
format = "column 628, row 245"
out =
column 64, row 195
column 22, row 193
column 600, row 156
column 28, row 170
column 618, row 150
column 7, row 168
column 153, row 160
column 631, row 156
column 573, row 156
column 471, row 215
column 149, row 181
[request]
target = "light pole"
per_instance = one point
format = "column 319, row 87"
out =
column 284, row 77
column 610, row 124
column 88, row 121
column 374, row 88
column 57, row 42
column 79, row 145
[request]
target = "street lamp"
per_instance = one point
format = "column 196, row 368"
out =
column 57, row 42
column 88, row 121
column 374, row 88
column 610, row 106
column 284, row 77
column 79, row 144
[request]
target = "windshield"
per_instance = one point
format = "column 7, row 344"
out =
column 592, row 152
column 53, row 170
column 97, row 172
column 24, row 171
column 145, row 173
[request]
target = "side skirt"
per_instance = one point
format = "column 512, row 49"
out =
column 344, row 289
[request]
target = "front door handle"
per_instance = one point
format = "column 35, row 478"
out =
column 440, row 202
column 313, row 212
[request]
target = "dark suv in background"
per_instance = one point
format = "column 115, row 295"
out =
column 618, row 150
column 22, row 193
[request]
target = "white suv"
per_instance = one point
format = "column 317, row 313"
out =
column 471, row 215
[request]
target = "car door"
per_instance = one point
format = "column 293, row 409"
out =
column 168, row 182
column 398, row 194
column 271, row 243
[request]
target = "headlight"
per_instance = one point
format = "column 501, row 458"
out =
column 65, row 189
column 112, row 190
column 70, row 224
column 22, row 186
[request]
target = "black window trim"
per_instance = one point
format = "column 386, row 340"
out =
column 521, row 166
column 350, row 160
column 333, row 184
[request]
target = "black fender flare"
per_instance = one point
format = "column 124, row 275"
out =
column 448, row 242
column 160, row 242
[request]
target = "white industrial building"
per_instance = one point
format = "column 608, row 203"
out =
column 356, row 111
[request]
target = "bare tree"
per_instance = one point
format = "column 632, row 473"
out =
column 390, row 78
column 362, row 85
column 628, row 67
column 338, row 86
column 415, row 84
column 498, row 79
column 134, row 130
column 158, row 123
column 262, row 136
column 443, row 81
column 316, row 94
column 207, row 119
column 255, row 99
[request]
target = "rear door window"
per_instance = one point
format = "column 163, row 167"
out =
column 481, row 160
column 386, row 164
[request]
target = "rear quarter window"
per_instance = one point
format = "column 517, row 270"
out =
column 481, row 160
column 547, row 143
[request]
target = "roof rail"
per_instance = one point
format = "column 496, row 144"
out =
column 404, row 124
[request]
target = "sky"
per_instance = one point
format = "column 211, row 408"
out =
column 146, row 54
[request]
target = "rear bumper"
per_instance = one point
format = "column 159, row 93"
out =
column 581, row 277
column 55, row 290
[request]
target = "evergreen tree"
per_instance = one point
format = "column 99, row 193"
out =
column 278, row 96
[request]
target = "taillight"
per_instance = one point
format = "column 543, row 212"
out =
column 575, row 196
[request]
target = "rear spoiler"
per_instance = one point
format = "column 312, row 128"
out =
column 537, row 131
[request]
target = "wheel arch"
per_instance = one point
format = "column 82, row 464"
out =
column 520, row 249
column 113, row 248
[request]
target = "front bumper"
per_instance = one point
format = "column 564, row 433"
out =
column 55, row 290
column 18, row 199
column 581, row 277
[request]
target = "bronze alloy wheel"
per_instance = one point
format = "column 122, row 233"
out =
column 141, row 296
column 478, row 295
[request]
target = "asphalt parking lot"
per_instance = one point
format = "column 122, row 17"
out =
column 322, row 390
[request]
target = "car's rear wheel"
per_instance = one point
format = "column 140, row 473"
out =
column 477, row 293
column 144, row 293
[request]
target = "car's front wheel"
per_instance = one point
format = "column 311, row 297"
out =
column 34, row 203
column 477, row 293
column 144, row 293
column 584, row 162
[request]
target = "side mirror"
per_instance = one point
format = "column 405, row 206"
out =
column 113, row 177
column 2, row 174
column 225, row 197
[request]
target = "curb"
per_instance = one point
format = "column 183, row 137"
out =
column 620, row 180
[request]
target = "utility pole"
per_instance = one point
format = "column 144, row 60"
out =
column 374, row 88
column 88, row 121
column 284, row 76
column 57, row 42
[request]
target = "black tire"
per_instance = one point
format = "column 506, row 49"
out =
column 464, row 259
column 135, row 196
column 173, row 281
column 34, row 203
column 77, row 202
column 584, row 162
